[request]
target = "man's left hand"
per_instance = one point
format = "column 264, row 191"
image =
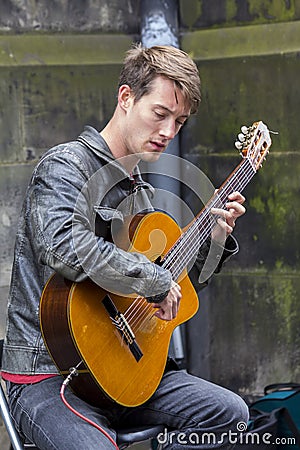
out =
column 226, row 221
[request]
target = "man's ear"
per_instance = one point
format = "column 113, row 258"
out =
column 124, row 96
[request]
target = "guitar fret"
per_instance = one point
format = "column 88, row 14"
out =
column 187, row 246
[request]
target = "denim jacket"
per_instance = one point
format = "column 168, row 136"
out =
column 77, row 192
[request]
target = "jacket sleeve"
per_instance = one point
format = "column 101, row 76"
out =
column 63, row 217
column 212, row 256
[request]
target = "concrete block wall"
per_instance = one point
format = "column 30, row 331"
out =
column 249, row 320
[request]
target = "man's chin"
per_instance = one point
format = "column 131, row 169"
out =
column 150, row 156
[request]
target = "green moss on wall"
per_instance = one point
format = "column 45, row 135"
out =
column 197, row 14
column 48, row 105
column 260, row 323
column 239, row 91
column 62, row 49
column 274, row 205
column 272, row 10
column 286, row 301
column 189, row 10
column 231, row 10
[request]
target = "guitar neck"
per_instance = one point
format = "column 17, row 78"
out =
column 186, row 247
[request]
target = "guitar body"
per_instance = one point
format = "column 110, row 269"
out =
column 76, row 327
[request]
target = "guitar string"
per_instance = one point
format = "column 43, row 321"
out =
column 140, row 310
column 193, row 236
column 149, row 313
column 249, row 172
column 143, row 313
column 137, row 313
column 223, row 195
column 195, row 239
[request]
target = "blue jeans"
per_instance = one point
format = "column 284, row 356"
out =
column 197, row 413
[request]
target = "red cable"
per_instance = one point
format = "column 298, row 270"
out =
column 62, row 395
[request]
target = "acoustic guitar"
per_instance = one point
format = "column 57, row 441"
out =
column 117, row 345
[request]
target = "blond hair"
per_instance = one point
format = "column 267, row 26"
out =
column 142, row 65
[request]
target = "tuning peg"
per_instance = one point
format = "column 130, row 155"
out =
column 241, row 137
column 244, row 129
column 238, row 145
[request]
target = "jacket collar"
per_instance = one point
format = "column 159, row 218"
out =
column 95, row 142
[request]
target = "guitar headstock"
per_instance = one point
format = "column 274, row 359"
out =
column 254, row 143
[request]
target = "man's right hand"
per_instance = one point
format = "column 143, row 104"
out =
column 168, row 308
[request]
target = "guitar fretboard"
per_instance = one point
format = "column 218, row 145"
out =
column 186, row 247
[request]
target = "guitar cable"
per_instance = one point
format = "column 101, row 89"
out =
column 74, row 372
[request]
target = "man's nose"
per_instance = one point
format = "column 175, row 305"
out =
column 169, row 130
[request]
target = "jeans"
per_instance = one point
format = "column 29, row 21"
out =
column 198, row 415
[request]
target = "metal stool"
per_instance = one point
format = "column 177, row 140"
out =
column 125, row 437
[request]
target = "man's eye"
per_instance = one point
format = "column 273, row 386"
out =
column 159, row 115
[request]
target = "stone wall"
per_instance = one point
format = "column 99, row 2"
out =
column 104, row 16
column 249, row 319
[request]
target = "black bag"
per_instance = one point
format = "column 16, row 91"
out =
column 274, row 420
column 262, row 431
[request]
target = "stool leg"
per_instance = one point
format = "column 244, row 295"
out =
column 13, row 435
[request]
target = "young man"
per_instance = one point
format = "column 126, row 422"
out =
column 65, row 227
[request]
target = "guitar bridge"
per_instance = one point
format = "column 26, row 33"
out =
column 119, row 321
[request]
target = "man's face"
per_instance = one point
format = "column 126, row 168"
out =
column 153, row 121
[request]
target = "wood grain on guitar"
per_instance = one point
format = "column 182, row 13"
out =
column 118, row 344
